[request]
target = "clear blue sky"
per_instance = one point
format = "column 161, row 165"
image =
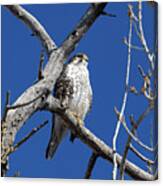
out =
column 103, row 43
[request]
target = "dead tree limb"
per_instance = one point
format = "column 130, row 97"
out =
column 37, row 29
column 28, row 136
column 96, row 144
column 91, row 164
column 7, row 103
column 16, row 118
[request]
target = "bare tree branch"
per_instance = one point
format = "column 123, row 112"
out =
column 142, row 73
column 124, row 102
column 40, row 70
column 12, row 107
column 142, row 37
column 141, row 156
column 133, row 130
column 91, row 165
column 16, row 118
column 28, row 136
column 96, row 144
column 136, row 139
column 132, row 46
column 34, row 25
column 140, row 33
column 86, row 21
column 30, row 101
column 6, row 105
column 107, row 14
column 146, row 89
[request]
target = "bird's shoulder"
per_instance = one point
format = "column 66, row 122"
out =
column 64, row 83
column 70, row 71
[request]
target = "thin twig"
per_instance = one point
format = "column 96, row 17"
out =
column 132, row 46
column 27, row 103
column 142, row 73
column 131, row 13
column 133, row 130
column 40, row 70
column 28, row 136
column 136, row 29
column 91, row 165
column 149, row 97
column 56, row 58
column 122, row 166
column 34, row 25
column 140, row 33
column 6, row 105
column 108, row 14
column 146, row 89
column 141, row 156
column 95, row 143
column 142, row 37
column 138, row 141
column 123, row 103
column 34, row 131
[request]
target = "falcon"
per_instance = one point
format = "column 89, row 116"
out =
column 74, row 91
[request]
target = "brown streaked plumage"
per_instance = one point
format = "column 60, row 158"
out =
column 74, row 90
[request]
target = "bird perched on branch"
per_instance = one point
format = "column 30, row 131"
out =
column 74, row 91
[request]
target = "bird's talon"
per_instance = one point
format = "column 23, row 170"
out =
column 79, row 120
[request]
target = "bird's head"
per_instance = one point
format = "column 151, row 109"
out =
column 80, row 58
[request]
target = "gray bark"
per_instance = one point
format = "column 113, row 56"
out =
column 16, row 118
column 96, row 144
column 38, row 96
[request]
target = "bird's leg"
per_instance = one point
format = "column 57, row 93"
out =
column 78, row 118
column 64, row 103
column 79, row 122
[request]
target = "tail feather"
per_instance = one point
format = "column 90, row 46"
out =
column 72, row 137
column 57, row 133
column 52, row 147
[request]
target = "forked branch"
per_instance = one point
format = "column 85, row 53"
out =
column 37, row 29
column 17, row 116
column 96, row 144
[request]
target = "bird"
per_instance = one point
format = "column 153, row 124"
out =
column 74, row 91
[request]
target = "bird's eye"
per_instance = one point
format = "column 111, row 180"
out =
column 86, row 59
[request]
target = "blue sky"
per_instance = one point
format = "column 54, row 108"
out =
column 104, row 45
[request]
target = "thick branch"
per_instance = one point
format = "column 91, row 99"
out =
column 96, row 144
column 34, row 25
column 91, row 165
column 16, row 118
column 86, row 21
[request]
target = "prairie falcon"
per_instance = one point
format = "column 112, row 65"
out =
column 74, row 91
